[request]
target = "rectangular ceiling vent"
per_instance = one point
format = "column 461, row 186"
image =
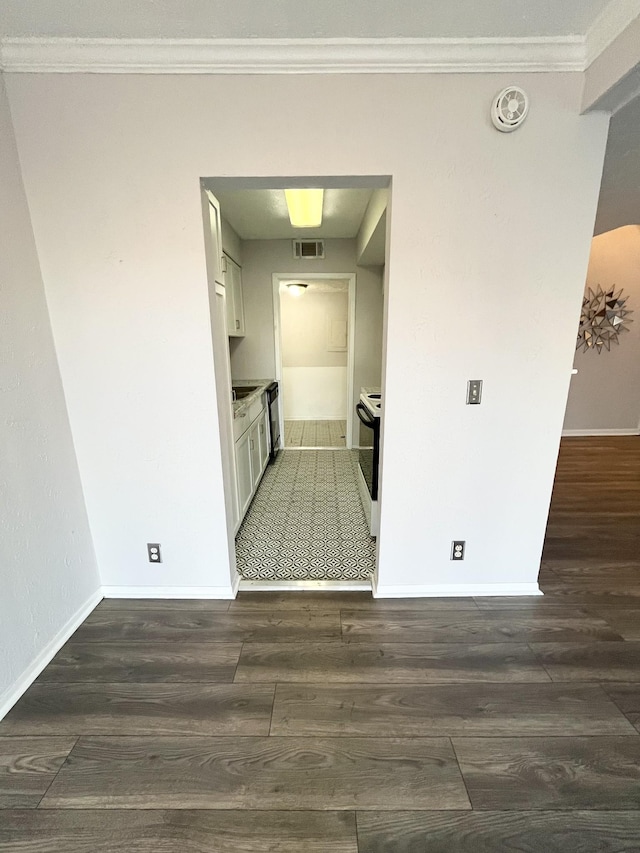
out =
column 308, row 248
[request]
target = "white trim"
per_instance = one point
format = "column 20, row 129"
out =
column 226, row 592
column 235, row 583
column 610, row 23
column 351, row 278
column 568, row 433
column 371, row 508
column 26, row 679
column 277, row 345
column 456, row 590
column 294, row 56
column 305, row 586
column 351, row 358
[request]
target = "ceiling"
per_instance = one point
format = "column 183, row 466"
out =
column 262, row 214
column 184, row 19
column 619, row 202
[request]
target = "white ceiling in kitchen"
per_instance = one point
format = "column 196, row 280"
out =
column 262, row 214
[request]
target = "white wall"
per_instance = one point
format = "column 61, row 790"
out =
column 314, row 393
column 489, row 239
column 305, row 327
column 314, row 376
column 130, row 316
column 254, row 356
column 605, row 393
column 48, row 568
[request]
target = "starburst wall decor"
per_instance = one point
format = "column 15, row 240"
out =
column 604, row 316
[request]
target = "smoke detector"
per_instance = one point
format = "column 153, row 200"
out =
column 509, row 109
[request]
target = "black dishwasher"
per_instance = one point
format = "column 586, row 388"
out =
column 274, row 420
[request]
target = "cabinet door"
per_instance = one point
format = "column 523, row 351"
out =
column 238, row 302
column 254, row 442
column 243, row 472
column 214, row 247
column 264, row 439
column 235, row 304
column 228, row 296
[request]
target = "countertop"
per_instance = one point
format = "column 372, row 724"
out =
column 240, row 405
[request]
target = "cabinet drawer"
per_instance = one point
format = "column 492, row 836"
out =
column 243, row 421
column 241, row 424
column 256, row 408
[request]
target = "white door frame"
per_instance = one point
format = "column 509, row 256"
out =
column 278, row 278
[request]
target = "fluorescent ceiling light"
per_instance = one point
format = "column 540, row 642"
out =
column 305, row 207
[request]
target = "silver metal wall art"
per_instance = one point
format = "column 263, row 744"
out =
column 603, row 318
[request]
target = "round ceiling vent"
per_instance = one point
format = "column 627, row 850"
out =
column 509, row 109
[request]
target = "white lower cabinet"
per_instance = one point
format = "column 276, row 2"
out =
column 252, row 455
column 254, row 442
column 243, row 474
column 264, row 439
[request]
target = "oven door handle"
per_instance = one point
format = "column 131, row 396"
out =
column 369, row 420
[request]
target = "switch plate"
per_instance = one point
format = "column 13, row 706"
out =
column 457, row 549
column 153, row 552
column 474, row 392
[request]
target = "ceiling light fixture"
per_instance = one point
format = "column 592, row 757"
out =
column 305, row 207
column 297, row 288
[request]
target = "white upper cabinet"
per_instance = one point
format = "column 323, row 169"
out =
column 214, row 255
column 233, row 294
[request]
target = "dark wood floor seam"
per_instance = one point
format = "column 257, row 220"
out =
column 464, row 781
column 58, row 773
column 540, row 661
column 612, row 689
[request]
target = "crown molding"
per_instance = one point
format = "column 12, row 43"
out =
column 291, row 56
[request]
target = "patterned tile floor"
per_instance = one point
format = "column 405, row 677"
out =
column 306, row 521
column 315, row 433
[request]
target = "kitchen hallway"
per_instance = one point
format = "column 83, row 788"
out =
column 306, row 521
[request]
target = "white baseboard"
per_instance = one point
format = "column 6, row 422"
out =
column 567, row 433
column 305, row 586
column 456, row 590
column 169, row 591
column 11, row 696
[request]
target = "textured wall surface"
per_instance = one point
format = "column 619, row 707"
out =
column 47, row 564
column 489, row 243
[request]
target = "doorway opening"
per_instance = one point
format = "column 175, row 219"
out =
column 289, row 372
column 592, row 539
column 314, row 352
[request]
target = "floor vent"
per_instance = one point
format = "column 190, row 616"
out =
column 308, row 248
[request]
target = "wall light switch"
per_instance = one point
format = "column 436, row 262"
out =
column 474, row 392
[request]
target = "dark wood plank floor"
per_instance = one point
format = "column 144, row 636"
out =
column 332, row 722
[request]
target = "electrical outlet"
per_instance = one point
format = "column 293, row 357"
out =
column 474, row 392
column 457, row 549
column 153, row 552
